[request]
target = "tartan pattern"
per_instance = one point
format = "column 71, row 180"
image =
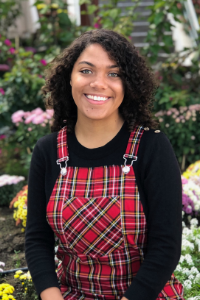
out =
column 99, row 220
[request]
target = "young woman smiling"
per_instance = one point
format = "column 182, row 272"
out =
column 105, row 182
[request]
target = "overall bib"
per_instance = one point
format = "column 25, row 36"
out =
column 98, row 217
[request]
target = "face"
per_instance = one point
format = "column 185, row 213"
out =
column 97, row 88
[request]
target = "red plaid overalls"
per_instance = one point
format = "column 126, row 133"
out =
column 98, row 217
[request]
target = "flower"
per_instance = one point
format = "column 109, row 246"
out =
column 38, row 119
column 4, row 67
column 40, row 6
column 2, row 91
column 30, row 49
column 187, row 284
column 7, row 179
column 7, row 42
column 12, row 50
column 97, row 25
column 17, row 116
column 43, row 62
column 54, row 5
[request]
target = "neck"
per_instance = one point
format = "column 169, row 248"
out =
column 97, row 133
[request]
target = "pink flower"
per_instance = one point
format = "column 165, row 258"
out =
column 43, row 61
column 29, row 129
column 7, row 42
column 96, row 25
column 30, row 49
column 169, row 113
column 12, row 50
column 50, row 113
column 38, row 119
column 17, row 116
column 37, row 111
column 40, row 76
column 27, row 114
column 30, row 118
column 2, row 91
column 4, row 67
column 2, row 136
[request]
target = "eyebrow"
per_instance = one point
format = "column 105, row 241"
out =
column 90, row 64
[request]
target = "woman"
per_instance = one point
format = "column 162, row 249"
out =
column 107, row 185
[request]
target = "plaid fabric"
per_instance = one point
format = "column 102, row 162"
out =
column 99, row 220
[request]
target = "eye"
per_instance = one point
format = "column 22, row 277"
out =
column 113, row 75
column 86, row 71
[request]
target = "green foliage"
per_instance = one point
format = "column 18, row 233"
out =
column 7, row 53
column 8, row 192
column 182, row 128
column 111, row 16
column 9, row 11
column 20, row 144
column 159, row 35
column 56, row 28
column 187, row 272
column 22, row 86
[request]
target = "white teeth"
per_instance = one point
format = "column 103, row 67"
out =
column 96, row 98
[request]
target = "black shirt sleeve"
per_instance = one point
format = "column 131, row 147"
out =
column 161, row 184
column 39, row 237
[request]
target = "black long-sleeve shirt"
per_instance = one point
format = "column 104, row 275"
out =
column 159, row 183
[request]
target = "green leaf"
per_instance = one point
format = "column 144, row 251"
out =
column 64, row 19
column 114, row 13
column 159, row 4
column 84, row 2
column 159, row 17
column 91, row 9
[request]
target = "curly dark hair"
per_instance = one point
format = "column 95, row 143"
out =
column 138, row 80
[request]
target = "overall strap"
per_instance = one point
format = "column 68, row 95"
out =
column 62, row 150
column 132, row 148
column 134, row 141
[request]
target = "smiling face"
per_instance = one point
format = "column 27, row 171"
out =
column 97, row 88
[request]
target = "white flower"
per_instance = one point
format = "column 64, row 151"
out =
column 187, row 284
column 182, row 258
column 191, row 277
column 183, row 224
column 178, row 268
column 197, row 279
column 186, row 271
column 186, row 244
column 189, row 260
column 194, row 270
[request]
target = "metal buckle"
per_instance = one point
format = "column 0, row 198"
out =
column 59, row 161
column 126, row 169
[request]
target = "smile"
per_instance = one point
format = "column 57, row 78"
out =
column 97, row 98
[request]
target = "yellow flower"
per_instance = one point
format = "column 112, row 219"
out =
column 59, row 11
column 19, row 272
column 54, row 5
column 22, row 230
column 40, row 6
column 16, row 276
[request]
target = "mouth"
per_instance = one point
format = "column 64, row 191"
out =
column 96, row 98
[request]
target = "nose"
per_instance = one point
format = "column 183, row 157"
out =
column 99, row 82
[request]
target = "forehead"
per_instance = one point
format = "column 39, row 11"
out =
column 95, row 54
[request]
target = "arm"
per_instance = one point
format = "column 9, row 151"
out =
column 51, row 294
column 39, row 238
column 161, row 183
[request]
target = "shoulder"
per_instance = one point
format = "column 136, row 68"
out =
column 154, row 140
column 155, row 151
column 46, row 145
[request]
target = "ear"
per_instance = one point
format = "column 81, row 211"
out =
column 70, row 82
